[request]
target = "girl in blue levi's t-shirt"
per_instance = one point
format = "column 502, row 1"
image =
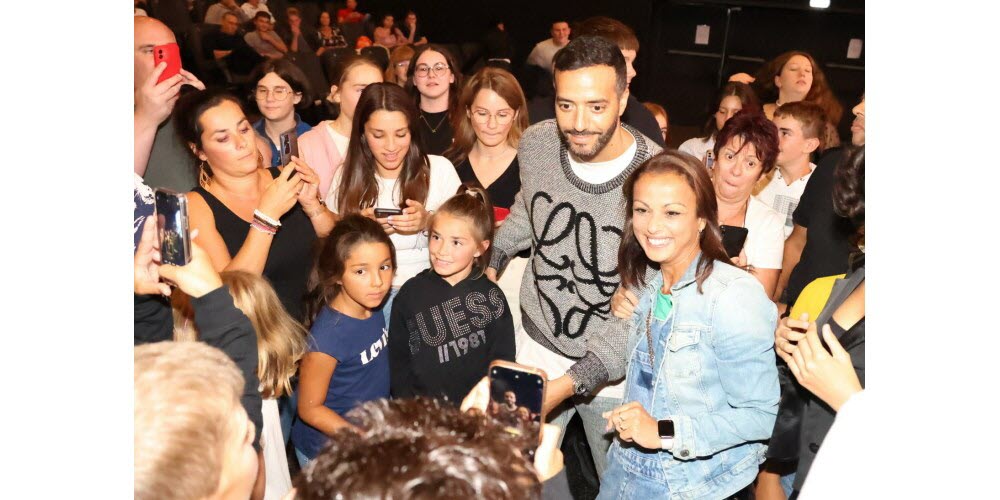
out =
column 346, row 364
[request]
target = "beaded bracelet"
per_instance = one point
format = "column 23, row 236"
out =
column 257, row 214
column 263, row 228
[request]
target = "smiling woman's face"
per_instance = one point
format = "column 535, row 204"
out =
column 227, row 140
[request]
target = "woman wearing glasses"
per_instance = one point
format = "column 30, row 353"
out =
column 281, row 86
column 433, row 82
column 490, row 117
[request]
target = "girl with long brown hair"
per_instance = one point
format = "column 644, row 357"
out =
column 795, row 76
column 387, row 168
column 434, row 80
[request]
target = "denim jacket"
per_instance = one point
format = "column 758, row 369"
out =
column 716, row 379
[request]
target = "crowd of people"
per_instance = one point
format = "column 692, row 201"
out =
column 701, row 309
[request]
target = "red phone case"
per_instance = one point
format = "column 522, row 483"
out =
column 500, row 213
column 170, row 53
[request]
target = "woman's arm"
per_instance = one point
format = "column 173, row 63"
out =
column 278, row 198
column 314, row 382
column 768, row 278
column 742, row 341
column 322, row 219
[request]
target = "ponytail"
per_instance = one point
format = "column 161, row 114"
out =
column 473, row 203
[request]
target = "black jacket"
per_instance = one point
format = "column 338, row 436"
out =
column 442, row 338
column 221, row 325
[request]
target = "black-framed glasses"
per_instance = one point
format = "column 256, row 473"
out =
column 423, row 70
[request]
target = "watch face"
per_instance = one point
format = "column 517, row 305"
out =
column 666, row 428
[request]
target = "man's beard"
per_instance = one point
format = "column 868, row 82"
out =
column 589, row 154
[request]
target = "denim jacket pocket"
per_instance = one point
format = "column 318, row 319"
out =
column 684, row 361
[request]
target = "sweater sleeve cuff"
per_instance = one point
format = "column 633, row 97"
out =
column 588, row 374
column 499, row 260
column 215, row 309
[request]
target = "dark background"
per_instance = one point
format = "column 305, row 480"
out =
column 667, row 73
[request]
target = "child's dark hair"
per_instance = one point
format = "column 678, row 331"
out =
column 329, row 268
column 473, row 203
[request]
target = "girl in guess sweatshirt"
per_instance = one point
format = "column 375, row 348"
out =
column 450, row 321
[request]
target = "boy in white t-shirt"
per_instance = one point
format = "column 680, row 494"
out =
column 799, row 127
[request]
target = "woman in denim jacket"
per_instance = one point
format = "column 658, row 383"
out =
column 701, row 386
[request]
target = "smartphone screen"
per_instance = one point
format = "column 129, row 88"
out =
column 709, row 159
column 170, row 53
column 289, row 146
column 516, row 399
column 172, row 227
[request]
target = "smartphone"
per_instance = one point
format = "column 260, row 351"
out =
column 709, row 159
column 516, row 395
column 170, row 53
column 500, row 213
column 381, row 213
column 733, row 238
column 172, row 226
column 289, row 146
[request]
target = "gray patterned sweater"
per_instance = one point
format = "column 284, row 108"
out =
column 573, row 229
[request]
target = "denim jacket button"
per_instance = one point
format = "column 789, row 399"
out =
column 684, row 453
column 813, row 447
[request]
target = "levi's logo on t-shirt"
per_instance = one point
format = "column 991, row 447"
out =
column 376, row 348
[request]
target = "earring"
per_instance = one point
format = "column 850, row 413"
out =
column 260, row 160
column 203, row 177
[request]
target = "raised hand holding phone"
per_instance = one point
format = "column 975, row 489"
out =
column 169, row 53
column 281, row 194
column 516, row 396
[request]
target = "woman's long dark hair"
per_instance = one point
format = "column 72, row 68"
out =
column 849, row 190
column 329, row 267
column 358, row 187
column 632, row 260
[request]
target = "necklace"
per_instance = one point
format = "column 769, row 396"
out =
column 434, row 129
column 494, row 156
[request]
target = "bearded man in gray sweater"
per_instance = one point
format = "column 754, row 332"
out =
column 570, row 212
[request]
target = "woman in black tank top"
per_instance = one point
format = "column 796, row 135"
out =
column 249, row 218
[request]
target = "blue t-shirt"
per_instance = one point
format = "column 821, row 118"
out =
column 301, row 127
column 362, row 372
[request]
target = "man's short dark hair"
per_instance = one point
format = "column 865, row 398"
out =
column 609, row 29
column 586, row 51
column 263, row 14
column 420, row 449
column 230, row 14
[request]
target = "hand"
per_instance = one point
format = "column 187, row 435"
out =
column 742, row 78
column 635, row 425
column 154, row 101
column 370, row 213
column 198, row 277
column 788, row 333
column 281, row 193
column 190, row 79
column 491, row 274
column 623, row 303
column 146, row 275
column 741, row 259
column 548, row 457
column 831, row 377
column 414, row 218
column 479, row 397
column 309, row 195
